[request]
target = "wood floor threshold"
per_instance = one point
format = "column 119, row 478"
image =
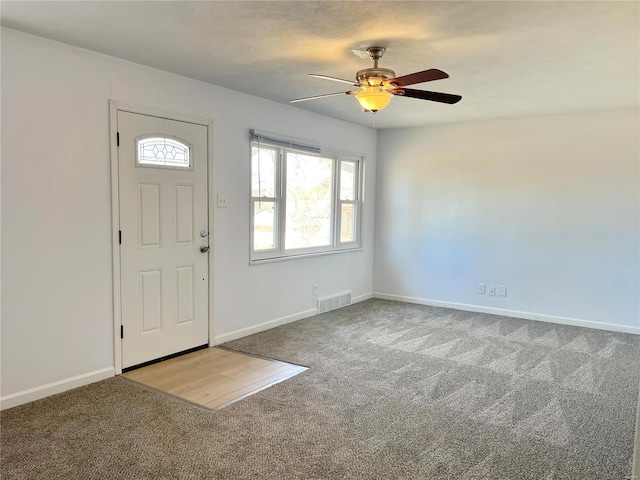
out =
column 213, row 378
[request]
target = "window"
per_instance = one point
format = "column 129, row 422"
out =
column 165, row 152
column 303, row 202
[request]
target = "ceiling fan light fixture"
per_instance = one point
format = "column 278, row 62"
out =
column 378, row 85
column 374, row 98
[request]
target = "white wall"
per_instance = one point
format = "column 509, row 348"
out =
column 57, row 314
column 547, row 206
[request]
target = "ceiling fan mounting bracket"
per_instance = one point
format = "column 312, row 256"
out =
column 376, row 53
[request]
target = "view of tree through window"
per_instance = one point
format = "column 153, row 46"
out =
column 308, row 203
column 302, row 203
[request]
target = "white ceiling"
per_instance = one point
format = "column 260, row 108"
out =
column 506, row 59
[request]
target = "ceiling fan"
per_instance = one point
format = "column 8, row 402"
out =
column 379, row 85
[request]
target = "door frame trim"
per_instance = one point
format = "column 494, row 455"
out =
column 115, row 107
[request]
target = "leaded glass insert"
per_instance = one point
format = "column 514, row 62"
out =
column 163, row 152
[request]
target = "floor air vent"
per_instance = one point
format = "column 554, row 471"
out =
column 334, row 301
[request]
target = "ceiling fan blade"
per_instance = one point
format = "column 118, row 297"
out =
column 335, row 79
column 425, row 95
column 418, row 77
column 304, row 99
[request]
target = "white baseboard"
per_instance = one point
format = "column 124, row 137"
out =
column 261, row 327
column 361, row 298
column 576, row 322
column 60, row 386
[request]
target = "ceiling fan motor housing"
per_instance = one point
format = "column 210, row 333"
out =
column 374, row 76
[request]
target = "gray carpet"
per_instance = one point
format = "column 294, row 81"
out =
column 394, row 391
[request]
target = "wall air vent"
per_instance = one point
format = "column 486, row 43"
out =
column 332, row 302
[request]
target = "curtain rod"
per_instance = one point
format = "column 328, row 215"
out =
column 268, row 139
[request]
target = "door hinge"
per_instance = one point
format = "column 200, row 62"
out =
column 121, row 331
column 120, row 236
column 117, row 139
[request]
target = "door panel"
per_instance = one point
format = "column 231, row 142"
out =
column 163, row 209
column 184, row 214
column 151, row 301
column 149, row 196
column 185, row 294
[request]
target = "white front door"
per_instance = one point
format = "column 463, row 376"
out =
column 163, row 222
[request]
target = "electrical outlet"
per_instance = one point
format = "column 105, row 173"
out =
column 492, row 291
column 315, row 290
column 481, row 288
column 502, row 290
column 223, row 200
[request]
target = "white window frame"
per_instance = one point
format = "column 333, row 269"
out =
column 356, row 202
column 280, row 201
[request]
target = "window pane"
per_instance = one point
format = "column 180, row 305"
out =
column 263, row 172
column 308, row 218
column 347, row 180
column 347, row 222
column 163, row 152
column 264, row 225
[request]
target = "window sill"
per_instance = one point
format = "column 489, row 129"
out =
column 259, row 261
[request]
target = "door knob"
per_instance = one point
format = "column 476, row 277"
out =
column 204, row 248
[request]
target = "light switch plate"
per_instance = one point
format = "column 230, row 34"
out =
column 223, row 200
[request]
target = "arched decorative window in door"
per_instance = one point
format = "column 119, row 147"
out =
column 163, row 151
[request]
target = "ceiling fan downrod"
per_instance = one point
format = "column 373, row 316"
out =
column 375, row 75
column 376, row 53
